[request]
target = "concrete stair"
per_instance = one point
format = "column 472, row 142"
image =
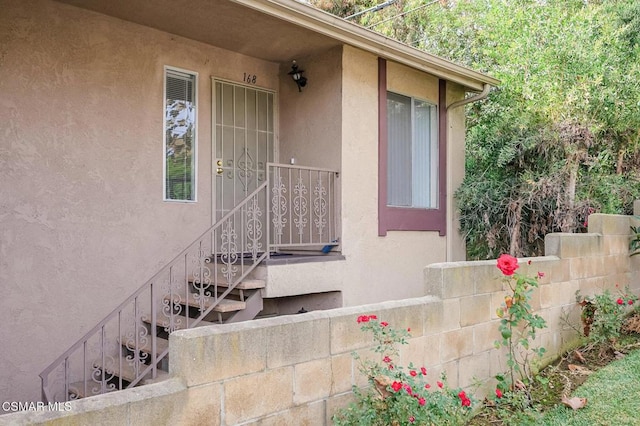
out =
column 242, row 303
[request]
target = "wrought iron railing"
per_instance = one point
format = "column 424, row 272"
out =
column 303, row 207
column 295, row 207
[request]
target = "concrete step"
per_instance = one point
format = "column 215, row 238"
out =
column 246, row 284
column 77, row 389
column 161, row 345
column 181, row 322
column 128, row 373
column 225, row 305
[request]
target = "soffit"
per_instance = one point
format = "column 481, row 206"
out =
column 274, row 30
column 220, row 23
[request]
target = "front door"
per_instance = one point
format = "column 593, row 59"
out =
column 243, row 144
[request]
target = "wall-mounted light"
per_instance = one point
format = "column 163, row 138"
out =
column 296, row 75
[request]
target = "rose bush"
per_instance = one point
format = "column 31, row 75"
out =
column 396, row 395
column 603, row 315
column 518, row 324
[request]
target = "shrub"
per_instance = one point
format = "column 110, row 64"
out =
column 396, row 395
column 603, row 315
column 634, row 244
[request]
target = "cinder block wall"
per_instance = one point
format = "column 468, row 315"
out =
column 298, row 369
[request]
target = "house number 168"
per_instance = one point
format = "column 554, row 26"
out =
column 250, row 78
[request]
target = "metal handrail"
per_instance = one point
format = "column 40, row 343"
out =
column 301, row 210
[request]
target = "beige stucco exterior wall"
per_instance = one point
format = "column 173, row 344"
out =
column 456, row 249
column 309, row 120
column 82, row 221
column 383, row 268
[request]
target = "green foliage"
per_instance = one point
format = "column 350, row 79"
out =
column 561, row 132
column 634, row 244
column 397, row 395
column 518, row 325
column 179, row 176
column 604, row 314
column 514, row 407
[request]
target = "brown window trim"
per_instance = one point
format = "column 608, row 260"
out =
column 409, row 219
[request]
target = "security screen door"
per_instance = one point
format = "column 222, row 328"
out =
column 244, row 142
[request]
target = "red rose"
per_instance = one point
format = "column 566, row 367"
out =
column 423, row 370
column 373, row 317
column 422, row 401
column 440, row 384
column 363, row 318
column 413, row 373
column 386, row 359
column 507, row 264
column 620, row 301
column 384, row 323
column 396, row 386
column 427, row 386
column 412, row 419
column 630, row 302
column 498, row 393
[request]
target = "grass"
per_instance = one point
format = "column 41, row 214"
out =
column 611, row 386
column 613, row 397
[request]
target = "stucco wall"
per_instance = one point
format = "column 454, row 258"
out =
column 383, row 268
column 299, row 369
column 309, row 120
column 82, row 221
column 456, row 249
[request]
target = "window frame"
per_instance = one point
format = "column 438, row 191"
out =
column 194, row 169
column 392, row 218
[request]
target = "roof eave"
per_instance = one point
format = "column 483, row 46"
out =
column 357, row 36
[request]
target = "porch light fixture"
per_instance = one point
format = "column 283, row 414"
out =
column 297, row 76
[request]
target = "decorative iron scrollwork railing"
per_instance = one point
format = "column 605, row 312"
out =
column 303, row 207
column 295, row 206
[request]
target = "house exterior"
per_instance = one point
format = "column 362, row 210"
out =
column 130, row 127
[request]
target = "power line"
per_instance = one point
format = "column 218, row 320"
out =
column 402, row 14
column 372, row 9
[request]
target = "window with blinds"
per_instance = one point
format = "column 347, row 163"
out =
column 180, row 135
column 412, row 152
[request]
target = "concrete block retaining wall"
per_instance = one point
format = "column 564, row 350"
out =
column 297, row 370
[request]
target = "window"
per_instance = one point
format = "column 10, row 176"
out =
column 180, row 135
column 412, row 190
column 412, row 152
